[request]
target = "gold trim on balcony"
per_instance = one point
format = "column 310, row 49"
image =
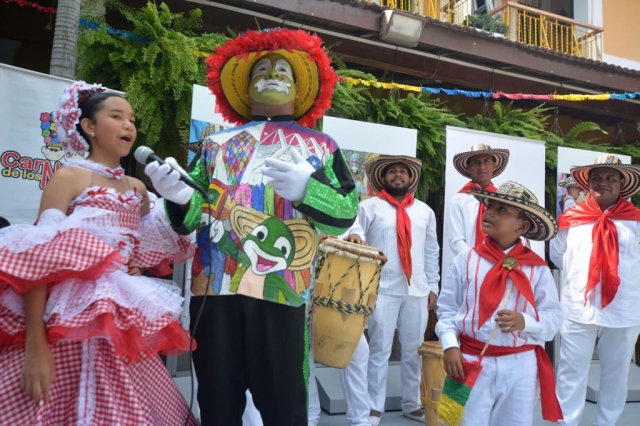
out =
column 527, row 25
column 543, row 29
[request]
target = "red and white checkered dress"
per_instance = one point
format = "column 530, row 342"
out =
column 105, row 327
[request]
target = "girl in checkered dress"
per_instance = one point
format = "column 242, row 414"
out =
column 80, row 328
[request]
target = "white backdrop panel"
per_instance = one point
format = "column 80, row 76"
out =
column 526, row 167
column 568, row 157
column 371, row 137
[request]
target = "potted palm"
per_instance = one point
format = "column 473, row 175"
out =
column 492, row 24
column 500, row 29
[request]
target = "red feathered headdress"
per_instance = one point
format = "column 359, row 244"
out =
column 230, row 68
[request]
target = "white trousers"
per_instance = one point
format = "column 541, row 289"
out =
column 409, row 315
column 314, row 399
column 354, row 385
column 251, row 415
column 615, row 349
column 505, row 392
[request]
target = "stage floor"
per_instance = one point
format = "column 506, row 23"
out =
column 629, row 417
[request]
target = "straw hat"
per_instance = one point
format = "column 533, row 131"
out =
column 569, row 183
column 230, row 71
column 376, row 173
column 245, row 219
column 631, row 174
column 543, row 225
column 500, row 156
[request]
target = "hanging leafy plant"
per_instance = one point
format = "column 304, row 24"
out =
column 157, row 68
column 571, row 140
column 533, row 124
column 427, row 115
column 352, row 101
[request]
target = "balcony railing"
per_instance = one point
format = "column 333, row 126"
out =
column 539, row 28
column 527, row 25
column 450, row 11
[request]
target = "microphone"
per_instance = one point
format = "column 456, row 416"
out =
column 145, row 155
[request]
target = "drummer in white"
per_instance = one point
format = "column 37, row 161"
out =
column 405, row 230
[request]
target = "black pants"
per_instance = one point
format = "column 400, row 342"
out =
column 246, row 343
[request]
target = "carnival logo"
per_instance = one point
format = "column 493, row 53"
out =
column 52, row 148
column 23, row 167
column 17, row 166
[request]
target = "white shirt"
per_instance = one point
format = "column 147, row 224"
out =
column 569, row 202
column 571, row 249
column 458, row 310
column 460, row 220
column 376, row 224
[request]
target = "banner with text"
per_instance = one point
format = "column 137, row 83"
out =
column 29, row 147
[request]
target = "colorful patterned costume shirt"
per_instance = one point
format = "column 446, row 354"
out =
column 260, row 244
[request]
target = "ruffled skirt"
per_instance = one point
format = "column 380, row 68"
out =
column 93, row 386
column 104, row 326
column 139, row 315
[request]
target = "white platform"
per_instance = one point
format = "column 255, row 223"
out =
column 184, row 384
column 332, row 398
column 593, row 383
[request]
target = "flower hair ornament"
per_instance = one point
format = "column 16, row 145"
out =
column 67, row 116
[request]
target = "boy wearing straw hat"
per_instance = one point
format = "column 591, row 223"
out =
column 573, row 192
column 272, row 184
column 463, row 218
column 598, row 248
column 498, row 305
column 405, row 230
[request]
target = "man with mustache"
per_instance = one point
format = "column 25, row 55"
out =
column 405, row 230
column 463, row 219
column 598, row 248
column 278, row 183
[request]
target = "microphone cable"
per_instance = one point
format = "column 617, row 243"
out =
column 196, row 322
column 204, row 298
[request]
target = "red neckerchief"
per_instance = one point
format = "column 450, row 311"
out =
column 604, row 255
column 403, row 226
column 495, row 282
column 549, row 401
column 481, row 209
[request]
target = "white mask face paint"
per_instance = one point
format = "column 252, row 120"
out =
column 278, row 85
column 272, row 81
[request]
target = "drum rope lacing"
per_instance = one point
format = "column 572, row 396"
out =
column 425, row 396
column 346, row 308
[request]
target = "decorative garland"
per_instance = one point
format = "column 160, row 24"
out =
column 493, row 95
column 125, row 34
column 36, row 6
column 406, row 87
column 113, row 31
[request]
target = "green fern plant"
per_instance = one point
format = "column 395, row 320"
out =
column 533, row 124
column 157, row 74
column 572, row 140
column 351, row 101
column 415, row 111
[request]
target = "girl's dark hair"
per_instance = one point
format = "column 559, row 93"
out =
column 90, row 107
column 3, row 222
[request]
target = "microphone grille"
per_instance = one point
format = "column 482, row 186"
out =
column 142, row 153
